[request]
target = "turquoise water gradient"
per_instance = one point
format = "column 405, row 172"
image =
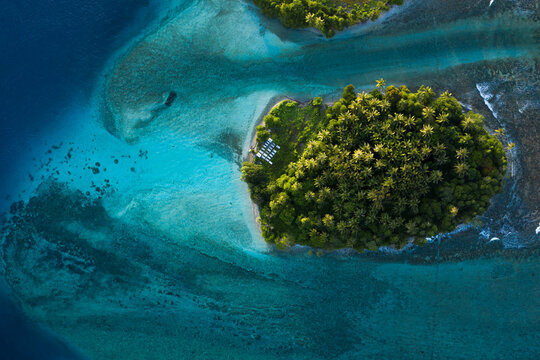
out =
column 168, row 263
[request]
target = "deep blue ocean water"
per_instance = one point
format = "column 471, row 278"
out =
column 139, row 240
column 52, row 52
column 23, row 340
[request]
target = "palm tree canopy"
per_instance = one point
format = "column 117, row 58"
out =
column 374, row 169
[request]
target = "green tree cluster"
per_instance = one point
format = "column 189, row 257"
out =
column 374, row 169
column 328, row 16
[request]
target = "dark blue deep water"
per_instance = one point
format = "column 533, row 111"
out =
column 51, row 52
column 128, row 233
column 21, row 339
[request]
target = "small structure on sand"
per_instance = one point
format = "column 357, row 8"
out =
column 268, row 150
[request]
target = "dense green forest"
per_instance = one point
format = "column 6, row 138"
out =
column 373, row 169
column 328, row 16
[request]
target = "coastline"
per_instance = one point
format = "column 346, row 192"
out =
column 272, row 103
column 308, row 35
column 462, row 229
column 368, row 25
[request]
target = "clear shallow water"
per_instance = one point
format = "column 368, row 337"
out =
column 168, row 262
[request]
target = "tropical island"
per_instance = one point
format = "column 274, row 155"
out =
column 373, row 169
column 328, row 16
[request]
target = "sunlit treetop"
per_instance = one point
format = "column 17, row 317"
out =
column 328, row 16
column 373, row 169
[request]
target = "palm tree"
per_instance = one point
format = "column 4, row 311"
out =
column 386, row 219
column 468, row 123
column 400, row 205
column 367, row 156
column 465, row 139
column 371, row 217
column 395, row 223
column 385, row 105
column 427, row 130
column 367, row 172
column 323, row 134
column 439, row 148
column 441, row 158
column 361, row 97
column 415, row 154
column 393, row 171
column 342, row 228
column 425, row 151
column 322, row 157
column 372, row 114
column 446, row 94
column 319, row 23
column 411, row 228
column 410, row 121
column 428, row 113
column 442, row 118
column 357, row 154
column 461, row 153
column 310, row 195
column 461, row 168
column 436, row 176
column 373, row 102
column 399, row 119
column 310, row 19
column 389, row 183
column 413, row 204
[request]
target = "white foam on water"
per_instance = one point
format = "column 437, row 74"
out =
column 485, row 233
column 489, row 98
column 528, row 104
column 181, row 183
column 183, row 194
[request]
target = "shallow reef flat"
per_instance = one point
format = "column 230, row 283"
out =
column 96, row 279
column 169, row 263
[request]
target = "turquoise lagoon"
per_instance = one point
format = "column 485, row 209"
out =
column 136, row 239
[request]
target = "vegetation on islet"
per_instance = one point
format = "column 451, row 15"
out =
column 373, row 169
column 328, row 16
